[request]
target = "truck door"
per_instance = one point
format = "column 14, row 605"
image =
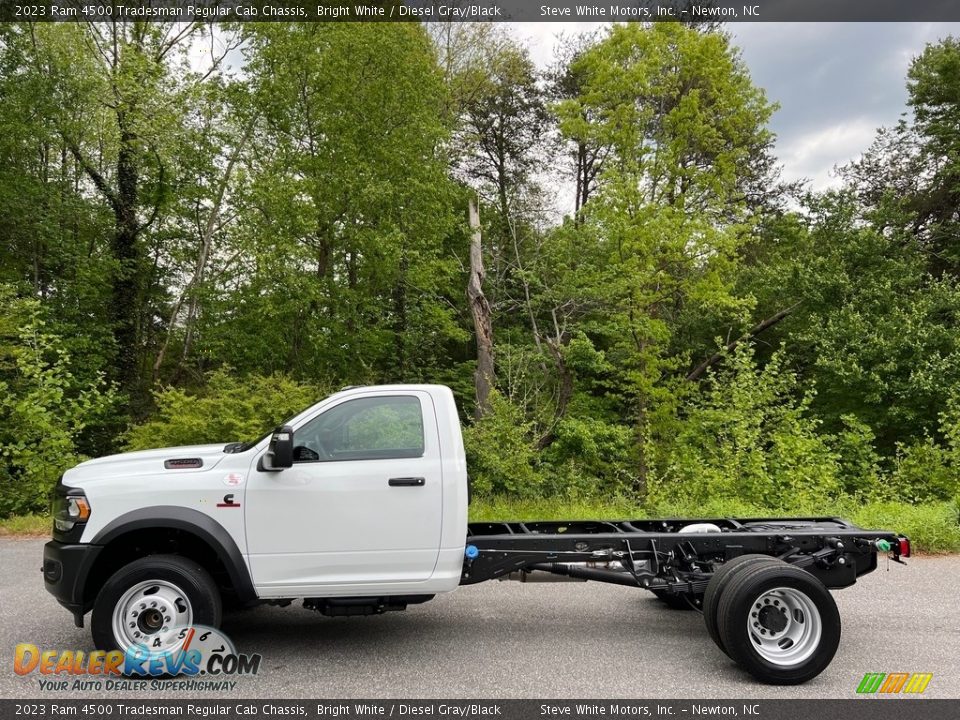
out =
column 360, row 506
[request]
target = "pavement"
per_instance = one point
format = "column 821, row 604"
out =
column 532, row 640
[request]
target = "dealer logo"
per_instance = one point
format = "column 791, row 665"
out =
column 186, row 651
column 894, row 683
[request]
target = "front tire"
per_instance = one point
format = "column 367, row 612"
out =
column 779, row 623
column 149, row 600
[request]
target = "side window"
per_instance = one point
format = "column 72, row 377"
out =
column 363, row 429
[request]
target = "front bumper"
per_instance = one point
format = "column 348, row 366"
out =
column 66, row 567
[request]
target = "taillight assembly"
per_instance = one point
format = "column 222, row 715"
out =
column 904, row 544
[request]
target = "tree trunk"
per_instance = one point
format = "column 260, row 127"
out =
column 206, row 241
column 482, row 322
column 127, row 296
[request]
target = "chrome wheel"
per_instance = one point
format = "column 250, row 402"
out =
column 151, row 613
column 785, row 626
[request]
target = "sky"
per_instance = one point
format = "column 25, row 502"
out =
column 836, row 83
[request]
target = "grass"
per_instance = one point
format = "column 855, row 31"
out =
column 932, row 528
column 25, row 525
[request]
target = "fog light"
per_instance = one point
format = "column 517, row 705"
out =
column 52, row 570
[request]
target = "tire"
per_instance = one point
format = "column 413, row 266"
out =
column 685, row 601
column 779, row 623
column 143, row 601
column 718, row 583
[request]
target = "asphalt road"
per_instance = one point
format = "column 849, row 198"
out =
column 509, row 640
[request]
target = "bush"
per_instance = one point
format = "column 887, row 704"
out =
column 44, row 408
column 501, row 457
column 748, row 437
column 502, row 508
column 228, row 408
column 859, row 467
column 589, row 457
column 923, row 471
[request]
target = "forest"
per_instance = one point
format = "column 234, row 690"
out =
column 207, row 228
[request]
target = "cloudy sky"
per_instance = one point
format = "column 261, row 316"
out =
column 836, row 82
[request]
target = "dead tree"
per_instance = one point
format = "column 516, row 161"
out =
column 482, row 321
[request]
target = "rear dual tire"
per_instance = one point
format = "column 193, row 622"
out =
column 776, row 621
column 718, row 583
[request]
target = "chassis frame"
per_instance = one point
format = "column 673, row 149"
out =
column 663, row 556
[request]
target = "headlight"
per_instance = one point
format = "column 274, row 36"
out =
column 68, row 510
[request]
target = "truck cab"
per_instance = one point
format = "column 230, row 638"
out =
column 363, row 495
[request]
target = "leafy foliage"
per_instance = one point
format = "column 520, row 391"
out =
column 500, row 452
column 749, row 437
column 45, row 409
column 228, row 409
column 193, row 254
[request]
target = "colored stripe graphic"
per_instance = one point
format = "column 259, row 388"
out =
column 871, row 682
column 894, row 682
column 918, row 682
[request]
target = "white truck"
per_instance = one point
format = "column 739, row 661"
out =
column 358, row 505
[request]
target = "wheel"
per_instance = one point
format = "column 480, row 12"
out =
column 149, row 600
column 779, row 623
column 718, row 583
column 674, row 601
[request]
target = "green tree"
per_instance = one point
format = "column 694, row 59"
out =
column 53, row 232
column 348, row 221
column 684, row 125
column 934, row 95
column 116, row 102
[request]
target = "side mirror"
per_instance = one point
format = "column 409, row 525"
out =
column 280, row 453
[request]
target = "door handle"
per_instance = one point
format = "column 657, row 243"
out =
column 407, row 482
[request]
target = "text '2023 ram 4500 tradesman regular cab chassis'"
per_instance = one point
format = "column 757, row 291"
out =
column 359, row 505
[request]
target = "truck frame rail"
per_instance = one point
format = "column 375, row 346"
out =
column 674, row 556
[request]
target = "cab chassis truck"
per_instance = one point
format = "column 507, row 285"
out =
column 358, row 506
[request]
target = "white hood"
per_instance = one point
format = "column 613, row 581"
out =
column 145, row 462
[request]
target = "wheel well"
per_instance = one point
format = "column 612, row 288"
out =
column 135, row 544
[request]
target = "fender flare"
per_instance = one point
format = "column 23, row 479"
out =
column 192, row 521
